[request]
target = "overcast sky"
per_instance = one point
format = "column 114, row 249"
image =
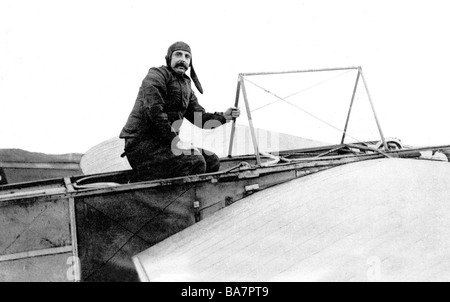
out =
column 70, row 70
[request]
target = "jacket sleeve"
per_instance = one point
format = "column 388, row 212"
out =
column 154, row 91
column 197, row 115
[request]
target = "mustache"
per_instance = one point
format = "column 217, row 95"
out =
column 181, row 64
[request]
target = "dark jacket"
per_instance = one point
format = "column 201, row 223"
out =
column 165, row 98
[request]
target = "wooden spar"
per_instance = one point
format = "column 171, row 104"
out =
column 331, row 151
column 49, row 166
column 350, row 108
column 233, row 127
column 36, row 253
column 369, row 149
column 373, row 110
column 297, row 71
column 73, row 231
column 249, row 116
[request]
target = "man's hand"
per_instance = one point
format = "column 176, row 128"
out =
column 232, row 113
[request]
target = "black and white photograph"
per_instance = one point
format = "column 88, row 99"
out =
column 224, row 146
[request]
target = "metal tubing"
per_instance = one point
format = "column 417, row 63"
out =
column 250, row 122
column 350, row 108
column 373, row 110
column 297, row 71
column 233, row 127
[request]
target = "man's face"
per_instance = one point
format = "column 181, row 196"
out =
column 180, row 61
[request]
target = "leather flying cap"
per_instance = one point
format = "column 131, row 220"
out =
column 183, row 46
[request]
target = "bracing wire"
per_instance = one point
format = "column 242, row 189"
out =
column 135, row 234
column 297, row 92
column 301, row 109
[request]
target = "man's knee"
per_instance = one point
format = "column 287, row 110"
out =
column 212, row 163
column 194, row 164
column 183, row 165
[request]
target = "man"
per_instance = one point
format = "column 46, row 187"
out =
column 165, row 98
